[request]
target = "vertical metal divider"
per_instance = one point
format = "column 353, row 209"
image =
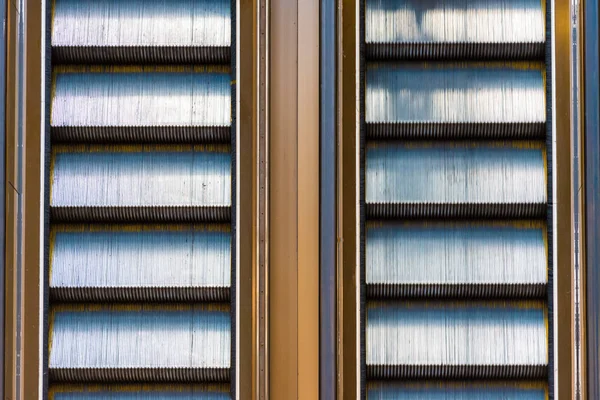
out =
column 3, row 95
column 362, row 202
column 327, row 194
column 233, row 378
column 47, row 65
column 591, row 145
column 549, row 188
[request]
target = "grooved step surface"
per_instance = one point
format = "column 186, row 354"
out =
column 140, row 177
column 140, row 343
column 139, row 392
column 455, row 173
column 445, row 93
column 456, row 340
column 140, row 263
column 141, row 31
column 113, row 98
column 445, row 255
column 458, row 391
column 455, row 21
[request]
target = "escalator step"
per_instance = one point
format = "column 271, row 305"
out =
column 455, row 101
column 140, row 343
column 452, row 259
column 454, row 29
column 458, row 391
column 455, row 180
column 455, row 340
column 139, row 392
column 140, row 263
column 141, row 31
column 94, row 183
column 141, row 105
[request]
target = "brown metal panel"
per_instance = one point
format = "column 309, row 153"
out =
column 247, row 156
column 32, row 184
column 294, row 199
column 564, row 307
column 308, row 199
column 11, row 202
column 261, row 207
column 283, row 200
column 348, row 203
column 581, row 375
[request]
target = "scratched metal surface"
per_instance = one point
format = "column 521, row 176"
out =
column 456, row 334
column 139, row 392
column 456, row 253
column 455, row 173
column 84, row 261
column 454, row 93
column 141, row 99
column 457, row 391
column 141, row 23
column 139, row 337
column 140, row 177
column 454, row 21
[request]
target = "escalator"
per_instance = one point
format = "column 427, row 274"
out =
column 456, row 200
column 141, row 200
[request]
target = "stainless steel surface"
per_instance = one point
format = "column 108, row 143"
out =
column 473, row 173
column 141, row 99
column 104, row 263
column 470, row 336
column 455, row 93
column 457, row 240
column 455, row 21
column 472, row 259
column 457, row 391
column 152, row 304
column 88, row 176
column 155, row 30
column 139, row 343
column 141, row 395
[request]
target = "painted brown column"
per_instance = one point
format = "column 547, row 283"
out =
column 247, row 156
column 33, row 189
column 348, row 147
column 12, row 198
column 293, row 199
column 564, row 295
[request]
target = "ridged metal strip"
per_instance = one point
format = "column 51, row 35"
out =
column 415, row 93
column 141, row 134
column 455, row 51
column 110, row 31
column 447, row 258
column 139, row 392
column 458, row 391
column 375, row 371
column 141, row 54
column 141, row 99
column 456, row 340
column 177, row 214
column 456, row 290
column 139, row 343
column 455, row 211
column 455, row 173
column 455, row 131
column 137, row 294
column 140, row 178
column 455, row 21
column 140, row 265
column 126, row 375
